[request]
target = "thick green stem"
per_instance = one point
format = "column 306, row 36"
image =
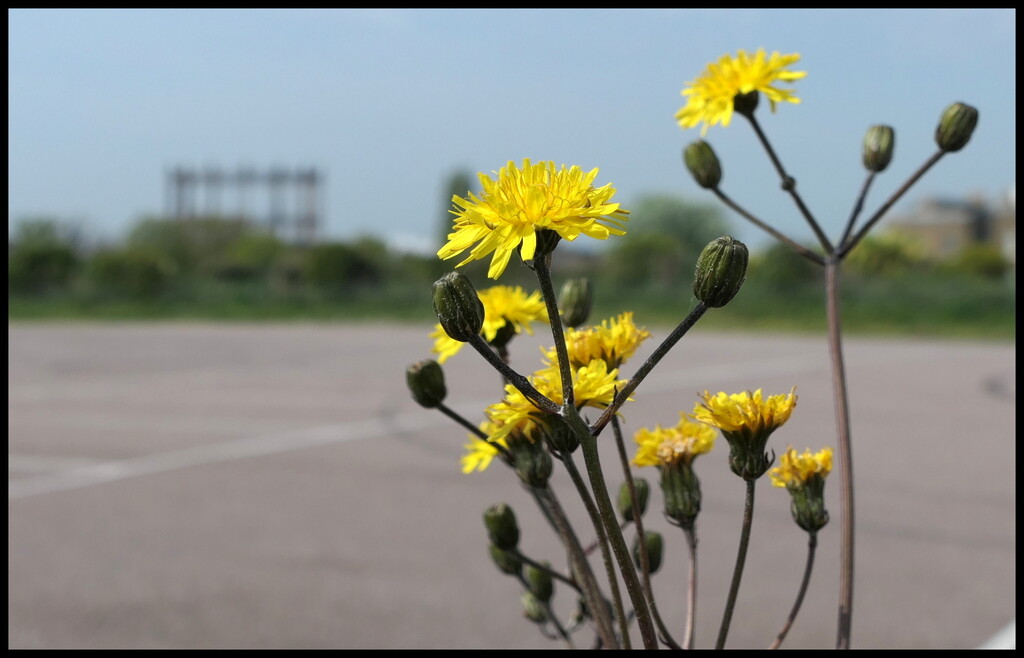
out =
column 602, row 542
column 741, row 558
column 581, row 569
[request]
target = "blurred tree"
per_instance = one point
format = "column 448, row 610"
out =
column 778, row 266
column 341, row 266
column 250, row 257
column 664, row 236
column 42, row 256
column 887, row 254
column 980, row 260
column 132, row 272
column 198, row 244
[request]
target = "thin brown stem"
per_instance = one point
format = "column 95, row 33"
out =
column 741, row 558
column 547, row 291
column 511, row 376
column 835, row 348
column 796, row 246
column 812, row 543
column 691, row 589
column 789, row 183
column 546, row 607
column 857, row 207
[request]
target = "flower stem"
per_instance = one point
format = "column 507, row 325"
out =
column 546, row 607
column 812, row 543
column 645, row 563
column 835, row 348
column 547, row 290
column 857, row 207
column 602, row 541
column 513, row 377
column 796, row 246
column 691, row 589
column 548, row 570
column 741, row 558
column 789, row 183
column 581, row 569
column 691, row 319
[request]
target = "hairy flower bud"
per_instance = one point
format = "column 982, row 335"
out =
column 655, row 544
column 721, row 268
column 643, row 492
column 879, row 142
column 681, row 491
column 532, row 609
column 506, row 562
column 426, row 383
column 703, row 164
column 502, row 528
column 807, row 504
column 575, row 301
column 458, row 308
column 540, row 582
column 956, row 126
column 531, row 461
column 745, row 104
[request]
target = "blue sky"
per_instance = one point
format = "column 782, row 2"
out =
column 389, row 103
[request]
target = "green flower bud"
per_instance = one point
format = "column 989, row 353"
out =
column 426, row 383
column 557, row 434
column 703, row 164
column 808, row 504
column 531, row 461
column 532, row 608
column 643, row 491
column 655, row 544
column 721, row 268
column 502, row 528
column 505, row 561
column 681, row 490
column 540, row 582
column 956, row 126
column 747, row 458
column 879, row 142
column 458, row 308
column 575, row 301
column 745, row 104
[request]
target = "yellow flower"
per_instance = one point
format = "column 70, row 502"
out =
column 745, row 414
column 710, row 97
column 519, row 202
column 681, row 443
column 503, row 306
column 796, row 470
column 479, row 453
column 613, row 342
column 746, row 420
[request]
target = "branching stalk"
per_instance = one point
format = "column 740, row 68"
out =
column 741, row 558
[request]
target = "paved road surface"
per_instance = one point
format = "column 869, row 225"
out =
column 235, row 486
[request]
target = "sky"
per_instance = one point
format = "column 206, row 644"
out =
column 389, row 104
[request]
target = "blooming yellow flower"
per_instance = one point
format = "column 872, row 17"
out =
column 795, row 470
column 479, row 454
column 710, row 97
column 745, row 414
column 503, row 306
column 613, row 342
column 519, row 202
column 746, row 420
column 681, row 443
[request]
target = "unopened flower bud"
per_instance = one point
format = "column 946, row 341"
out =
column 426, row 383
column 575, row 301
column 807, row 504
column 506, row 562
column 458, row 308
column 879, row 142
column 956, row 126
column 703, row 164
column 721, row 268
column 557, row 434
column 655, row 545
column 540, row 582
column 643, row 491
column 502, row 528
column 532, row 609
column 681, row 491
column 531, row 461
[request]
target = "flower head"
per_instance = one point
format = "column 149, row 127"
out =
column 520, row 202
column 804, row 477
column 682, row 443
column 507, row 311
column 797, row 470
column 613, row 342
column 479, row 453
column 711, row 97
column 746, row 420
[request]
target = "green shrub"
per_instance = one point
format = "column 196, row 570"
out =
column 133, row 273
